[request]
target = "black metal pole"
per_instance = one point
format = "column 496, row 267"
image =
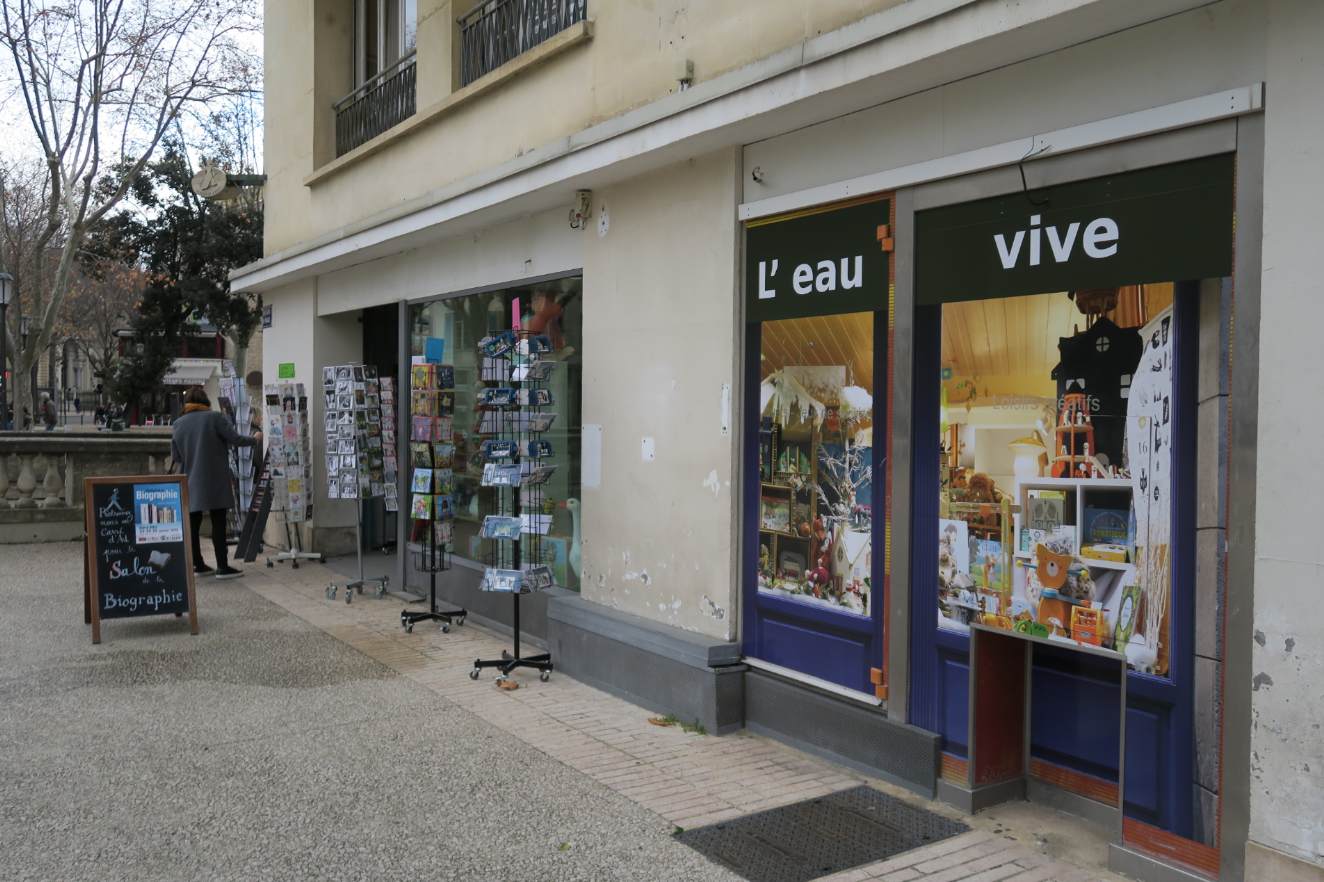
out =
column 4, row 367
column 517, row 623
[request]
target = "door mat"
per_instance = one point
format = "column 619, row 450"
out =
column 806, row 840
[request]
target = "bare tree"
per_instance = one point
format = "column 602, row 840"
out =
column 102, row 81
column 101, row 301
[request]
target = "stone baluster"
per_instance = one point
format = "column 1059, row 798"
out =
column 27, row 482
column 4, row 478
column 53, row 486
column 151, row 464
column 69, row 480
column 39, row 465
column 12, row 495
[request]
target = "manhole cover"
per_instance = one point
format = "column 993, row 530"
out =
column 806, row 840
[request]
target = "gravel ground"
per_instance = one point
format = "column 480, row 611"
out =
column 265, row 749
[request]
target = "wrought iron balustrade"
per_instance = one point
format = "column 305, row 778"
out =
column 497, row 31
column 386, row 100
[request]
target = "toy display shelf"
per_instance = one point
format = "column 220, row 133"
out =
column 1081, row 487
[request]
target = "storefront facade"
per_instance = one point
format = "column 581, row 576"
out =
column 852, row 377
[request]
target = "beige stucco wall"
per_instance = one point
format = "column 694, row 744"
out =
column 660, row 332
column 630, row 62
column 1287, row 739
column 1180, row 57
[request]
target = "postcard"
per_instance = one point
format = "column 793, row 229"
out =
column 445, row 506
column 497, row 396
column 422, row 482
column 536, row 449
column 444, row 531
column 443, row 456
column 497, row 527
column 497, row 449
column 535, row 398
column 499, row 474
column 536, row 474
column 535, row 524
column 493, row 347
column 503, row 580
column 422, row 508
column 443, row 480
column 537, row 577
column 540, row 422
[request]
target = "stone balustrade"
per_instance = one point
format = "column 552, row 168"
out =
column 41, row 477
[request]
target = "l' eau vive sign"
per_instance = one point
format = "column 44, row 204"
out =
column 826, row 262
column 1162, row 224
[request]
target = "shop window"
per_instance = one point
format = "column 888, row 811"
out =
column 449, row 331
column 816, row 461
column 1039, row 413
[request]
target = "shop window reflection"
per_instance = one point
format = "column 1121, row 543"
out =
column 1055, row 479
column 816, row 461
column 449, row 330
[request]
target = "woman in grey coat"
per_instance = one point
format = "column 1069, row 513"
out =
column 200, row 444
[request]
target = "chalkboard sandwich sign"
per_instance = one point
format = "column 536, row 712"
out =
column 139, row 538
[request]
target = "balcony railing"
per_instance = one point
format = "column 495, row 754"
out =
column 386, row 100
column 497, row 31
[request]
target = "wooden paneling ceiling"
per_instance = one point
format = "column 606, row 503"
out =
column 836, row 340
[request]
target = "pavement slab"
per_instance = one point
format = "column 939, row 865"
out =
column 301, row 738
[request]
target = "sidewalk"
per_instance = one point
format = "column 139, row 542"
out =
column 689, row 780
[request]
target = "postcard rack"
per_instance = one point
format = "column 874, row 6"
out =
column 359, row 422
column 432, row 483
column 515, row 406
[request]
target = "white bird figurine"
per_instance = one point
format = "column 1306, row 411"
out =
column 572, row 556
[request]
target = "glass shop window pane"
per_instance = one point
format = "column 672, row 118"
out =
column 816, row 461
column 454, row 327
column 1061, row 404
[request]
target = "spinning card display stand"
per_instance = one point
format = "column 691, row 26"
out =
column 517, row 517
column 378, row 584
column 431, row 559
column 287, row 474
column 360, row 452
column 293, row 550
column 432, row 483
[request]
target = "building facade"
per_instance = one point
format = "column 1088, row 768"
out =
column 912, row 366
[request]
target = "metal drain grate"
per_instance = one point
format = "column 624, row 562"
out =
column 806, row 840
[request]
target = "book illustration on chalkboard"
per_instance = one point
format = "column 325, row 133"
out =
column 158, row 559
column 158, row 515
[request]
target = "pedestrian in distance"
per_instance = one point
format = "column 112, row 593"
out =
column 200, row 443
column 48, row 415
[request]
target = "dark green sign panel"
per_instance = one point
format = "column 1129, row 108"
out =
column 827, row 263
column 1164, row 224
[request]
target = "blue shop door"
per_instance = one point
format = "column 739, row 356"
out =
column 1075, row 726
column 813, row 562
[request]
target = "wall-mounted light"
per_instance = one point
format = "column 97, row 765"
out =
column 582, row 211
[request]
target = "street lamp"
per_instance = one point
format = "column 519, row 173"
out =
column 6, row 289
column 32, row 401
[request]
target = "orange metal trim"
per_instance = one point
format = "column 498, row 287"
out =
column 1075, row 782
column 954, row 769
column 1170, row 847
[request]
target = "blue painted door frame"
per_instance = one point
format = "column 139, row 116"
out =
column 835, row 646
column 1074, row 721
